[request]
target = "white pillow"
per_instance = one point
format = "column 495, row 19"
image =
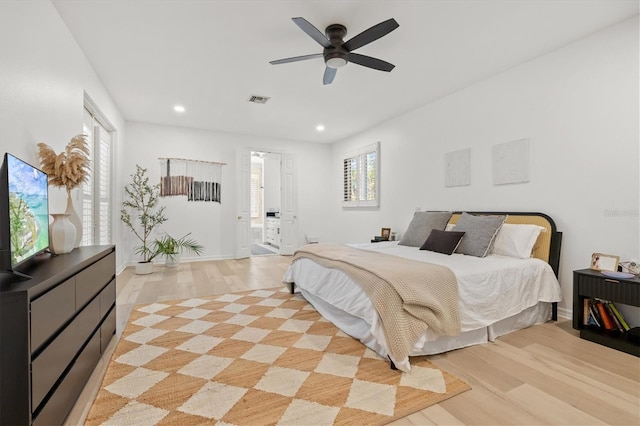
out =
column 516, row 240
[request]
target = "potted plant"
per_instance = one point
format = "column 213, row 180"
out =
column 141, row 205
column 171, row 248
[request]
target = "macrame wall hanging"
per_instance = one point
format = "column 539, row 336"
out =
column 198, row 180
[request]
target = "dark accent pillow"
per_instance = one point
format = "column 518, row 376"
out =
column 421, row 225
column 444, row 242
column 480, row 233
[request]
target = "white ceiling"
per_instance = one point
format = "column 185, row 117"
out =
column 212, row 55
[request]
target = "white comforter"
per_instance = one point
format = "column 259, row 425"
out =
column 490, row 289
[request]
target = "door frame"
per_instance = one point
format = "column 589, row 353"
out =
column 288, row 219
column 243, row 203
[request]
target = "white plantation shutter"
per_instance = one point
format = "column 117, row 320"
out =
column 87, row 188
column 96, row 192
column 350, row 178
column 103, row 189
column 360, row 177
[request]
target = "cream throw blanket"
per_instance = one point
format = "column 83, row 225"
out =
column 409, row 296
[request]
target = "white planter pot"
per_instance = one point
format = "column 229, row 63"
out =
column 144, row 268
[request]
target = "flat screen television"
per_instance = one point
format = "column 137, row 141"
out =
column 24, row 212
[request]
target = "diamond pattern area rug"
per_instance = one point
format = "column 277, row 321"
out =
column 259, row 357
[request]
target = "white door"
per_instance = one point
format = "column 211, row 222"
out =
column 289, row 206
column 243, row 224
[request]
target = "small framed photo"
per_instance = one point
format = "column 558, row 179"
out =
column 604, row 262
column 386, row 233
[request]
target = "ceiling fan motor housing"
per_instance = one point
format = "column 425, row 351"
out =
column 336, row 56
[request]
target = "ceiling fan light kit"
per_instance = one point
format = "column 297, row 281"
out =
column 335, row 61
column 337, row 53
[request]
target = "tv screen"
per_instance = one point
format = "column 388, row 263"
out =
column 27, row 202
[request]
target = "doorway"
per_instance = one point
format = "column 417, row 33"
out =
column 266, row 236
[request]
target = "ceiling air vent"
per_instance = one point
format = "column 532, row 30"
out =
column 258, row 99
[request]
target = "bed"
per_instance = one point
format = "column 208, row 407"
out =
column 497, row 293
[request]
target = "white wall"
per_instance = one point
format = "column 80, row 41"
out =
column 43, row 78
column 214, row 224
column 578, row 106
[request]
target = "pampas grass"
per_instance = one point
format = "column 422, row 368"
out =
column 70, row 168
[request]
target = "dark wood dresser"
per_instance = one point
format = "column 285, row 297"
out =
column 54, row 328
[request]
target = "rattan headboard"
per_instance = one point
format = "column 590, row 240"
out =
column 547, row 247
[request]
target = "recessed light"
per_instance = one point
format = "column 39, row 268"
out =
column 178, row 108
column 320, row 127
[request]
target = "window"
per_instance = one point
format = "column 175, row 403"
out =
column 361, row 178
column 96, row 192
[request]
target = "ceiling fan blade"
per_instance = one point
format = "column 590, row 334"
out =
column 312, row 31
column 296, row 59
column 372, row 34
column 329, row 75
column 369, row 62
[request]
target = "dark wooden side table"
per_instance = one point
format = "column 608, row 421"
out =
column 587, row 284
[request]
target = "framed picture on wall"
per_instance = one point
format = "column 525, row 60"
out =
column 604, row 262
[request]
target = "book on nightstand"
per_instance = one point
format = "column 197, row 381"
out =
column 594, row 314
column 614, row 319
column 619, row 316
column 603, row 315
column 606, row 321
column 586, row 313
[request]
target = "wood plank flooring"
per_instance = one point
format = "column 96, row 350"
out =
column 543, row 375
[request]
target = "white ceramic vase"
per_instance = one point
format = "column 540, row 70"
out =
column 75, row 220
column 62, row 234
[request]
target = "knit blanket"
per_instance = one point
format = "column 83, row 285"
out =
column 409, row 296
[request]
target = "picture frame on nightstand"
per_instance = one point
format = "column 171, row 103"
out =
column 604, row 262
column 385, row 233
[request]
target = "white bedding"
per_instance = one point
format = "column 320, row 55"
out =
column 498, row 294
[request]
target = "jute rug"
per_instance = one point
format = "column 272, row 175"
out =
column 255, row 358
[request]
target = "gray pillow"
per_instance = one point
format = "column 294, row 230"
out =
column 421, row 226
column 480, row 232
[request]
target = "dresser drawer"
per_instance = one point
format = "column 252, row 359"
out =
column 55, row 358
column 56, row 409
column 107, row 330
column 107, row 298
column 51, row 311
column 90, row 281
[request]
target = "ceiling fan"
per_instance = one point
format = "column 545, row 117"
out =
column 337, row 53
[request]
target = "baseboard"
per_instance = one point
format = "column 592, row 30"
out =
column 160, row 262
column 565, row 313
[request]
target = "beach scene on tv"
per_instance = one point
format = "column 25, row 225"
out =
column 28, row 210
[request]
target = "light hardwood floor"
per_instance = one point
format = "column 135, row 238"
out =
column 543, row 375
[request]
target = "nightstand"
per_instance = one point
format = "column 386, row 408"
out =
column 587, row 284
